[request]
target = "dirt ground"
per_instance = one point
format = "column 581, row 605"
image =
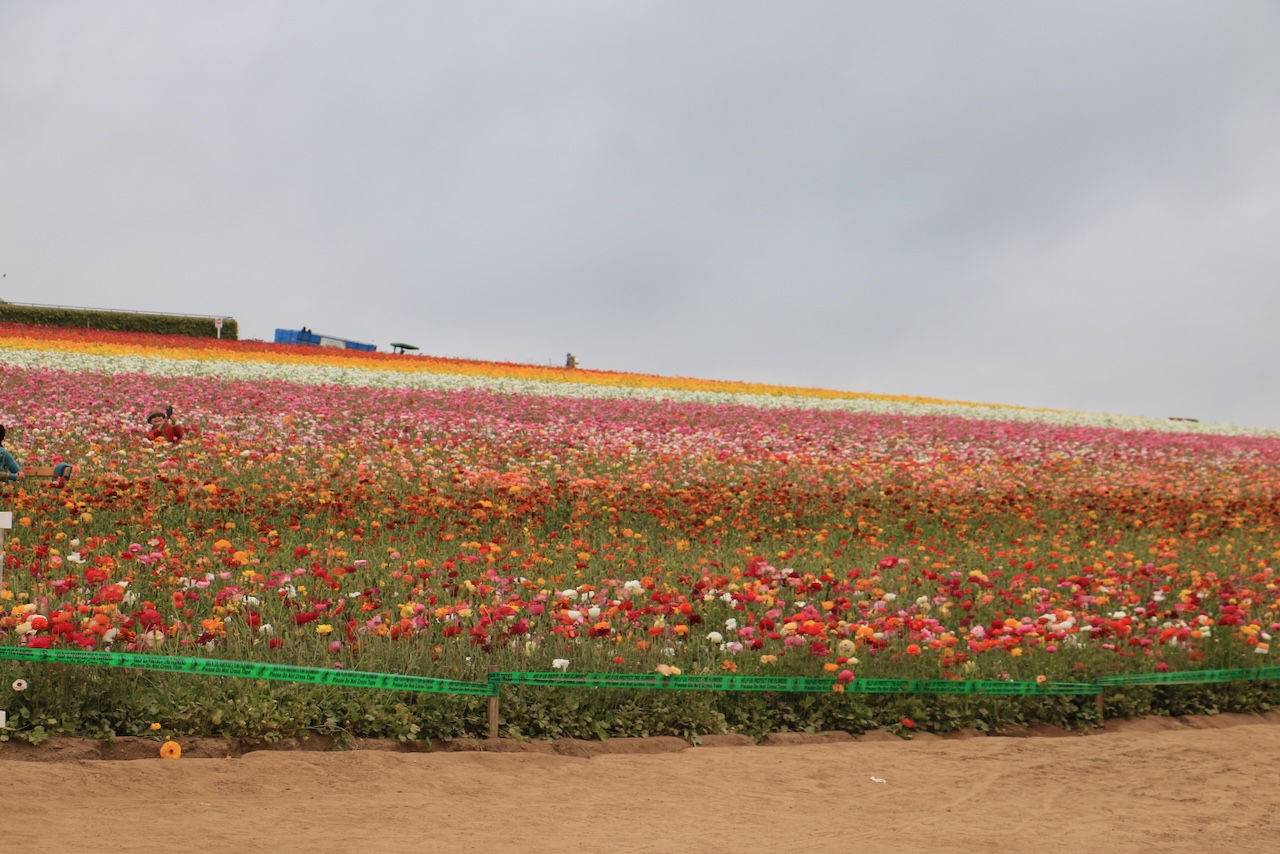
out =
column 1198, row 785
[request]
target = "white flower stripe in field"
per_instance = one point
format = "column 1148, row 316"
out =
column 317, row 375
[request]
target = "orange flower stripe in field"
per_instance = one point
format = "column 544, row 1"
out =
column 101, row 343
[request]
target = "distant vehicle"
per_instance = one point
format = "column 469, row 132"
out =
column 307, row 337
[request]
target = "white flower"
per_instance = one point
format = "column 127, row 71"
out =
column 19, row 684
column 730, row 624
column 633, row 586
column 560, row 664
column 715, row 637
column 593, row 612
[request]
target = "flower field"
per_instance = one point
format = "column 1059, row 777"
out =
column 424, row 516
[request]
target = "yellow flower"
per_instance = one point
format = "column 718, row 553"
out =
column 155, row 726
column 324, row 629
column 170, row 750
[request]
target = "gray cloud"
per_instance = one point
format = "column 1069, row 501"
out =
column 1065, row 205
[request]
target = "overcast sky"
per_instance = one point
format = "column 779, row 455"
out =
column 1072, row 204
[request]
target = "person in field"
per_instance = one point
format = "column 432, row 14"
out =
column 164, row 427
column 9, row 465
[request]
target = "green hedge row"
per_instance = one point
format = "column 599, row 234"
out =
column 118, row 321
column 65, row 700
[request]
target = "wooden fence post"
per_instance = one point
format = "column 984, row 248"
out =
column 6, row 522
column 493, row 708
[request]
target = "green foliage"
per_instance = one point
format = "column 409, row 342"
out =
column 118, row 321
column 102, row 703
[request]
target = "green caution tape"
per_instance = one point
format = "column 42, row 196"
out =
column 977, row 686
column 642, row 681
column 667, row 683
column 1190, row 677
column 249, row 670
column 785, row 684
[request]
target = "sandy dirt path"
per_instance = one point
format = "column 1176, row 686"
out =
column 1207, row 785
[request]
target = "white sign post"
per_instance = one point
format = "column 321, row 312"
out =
column 217, row 324
column 6, row 523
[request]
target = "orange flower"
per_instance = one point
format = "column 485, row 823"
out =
column 913, row 649
column 170, row 750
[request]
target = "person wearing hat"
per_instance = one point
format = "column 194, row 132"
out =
column 163, row 426
column 8, row 465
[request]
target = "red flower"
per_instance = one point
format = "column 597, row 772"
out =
column 908, row 723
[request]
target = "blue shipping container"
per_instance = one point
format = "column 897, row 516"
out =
column 297, row 336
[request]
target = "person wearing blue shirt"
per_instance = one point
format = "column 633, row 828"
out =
column 9, row 466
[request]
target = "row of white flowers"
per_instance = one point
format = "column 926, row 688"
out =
column 365, row 377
